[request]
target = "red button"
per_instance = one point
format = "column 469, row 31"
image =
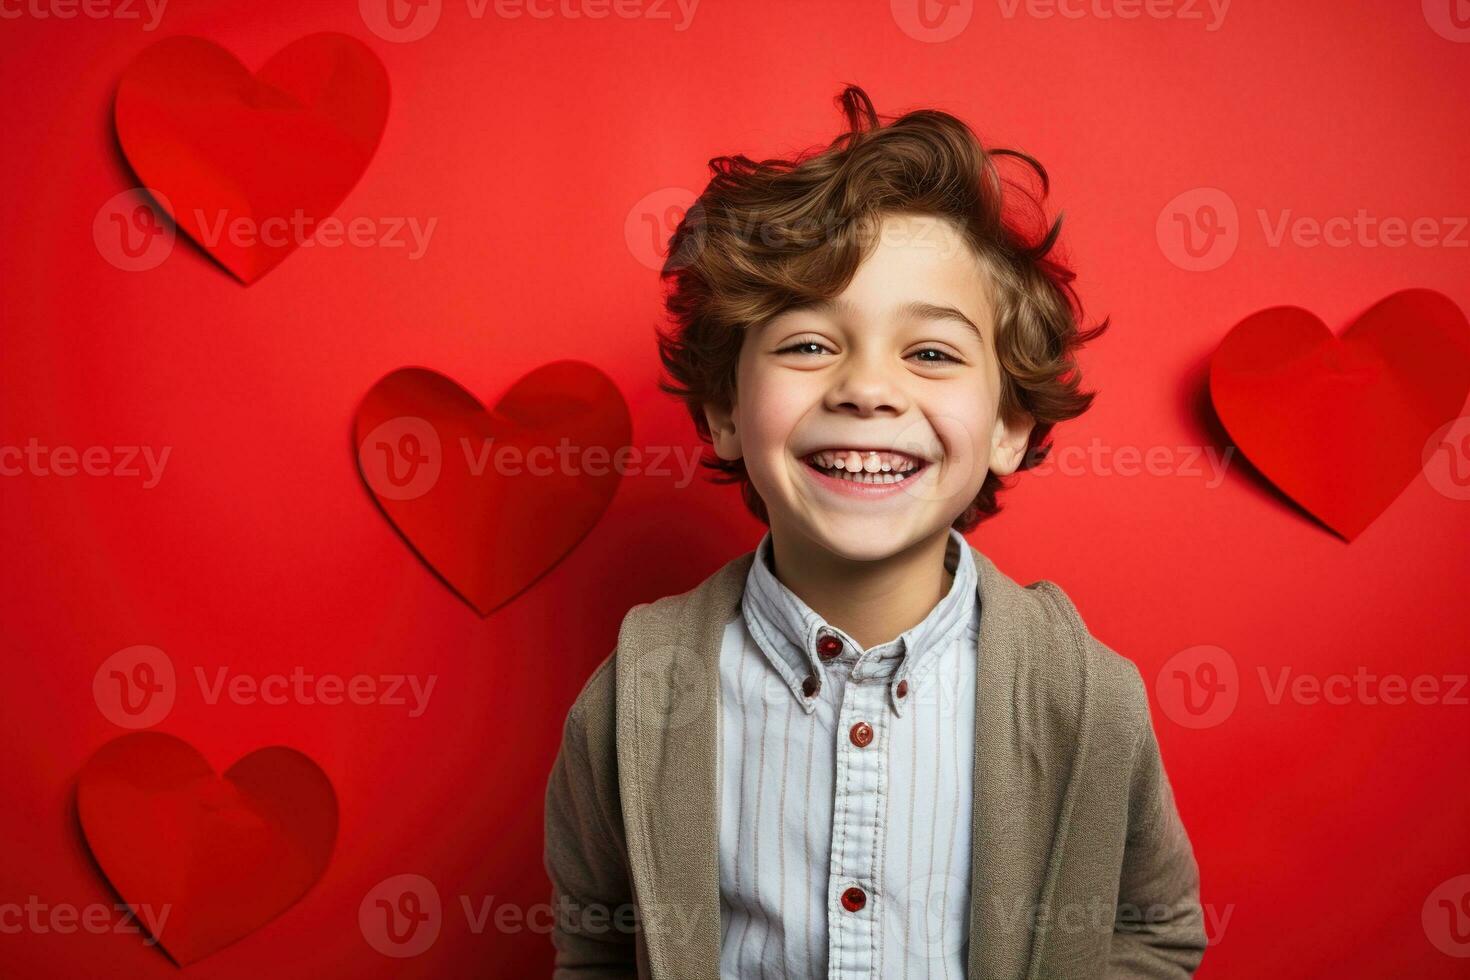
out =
column 903, row 688
column 828, row 647
column 861, row 734
column 811, row 685
column 854, row 899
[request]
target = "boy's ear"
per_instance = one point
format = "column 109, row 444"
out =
column 1008, row 443
column 722, row 431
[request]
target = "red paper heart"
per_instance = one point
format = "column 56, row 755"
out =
column 268, row 155
column 1340, row 425
column 490, row 526
column 212, row 858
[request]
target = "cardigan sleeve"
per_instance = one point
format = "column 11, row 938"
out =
column 1158, row 930
column 594, row 916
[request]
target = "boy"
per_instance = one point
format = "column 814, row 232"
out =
column 862, row 750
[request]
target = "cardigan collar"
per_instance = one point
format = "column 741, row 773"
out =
column 790, row 633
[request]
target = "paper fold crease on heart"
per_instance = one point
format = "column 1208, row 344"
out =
column 493, row 499
column 207, row 858
column 250, row 166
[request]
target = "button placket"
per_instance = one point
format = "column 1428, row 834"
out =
column 854, row 881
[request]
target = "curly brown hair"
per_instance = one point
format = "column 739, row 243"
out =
column 768, row 235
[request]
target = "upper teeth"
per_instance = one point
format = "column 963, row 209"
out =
column 853, row 460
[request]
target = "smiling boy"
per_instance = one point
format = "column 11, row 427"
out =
column 862, row 750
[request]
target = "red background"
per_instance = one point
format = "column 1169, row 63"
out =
column 1320, row 829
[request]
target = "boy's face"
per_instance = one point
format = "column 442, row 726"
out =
column 885, row 366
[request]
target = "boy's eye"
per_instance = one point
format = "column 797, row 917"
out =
column 934, row 360
column 801, row 347
column 797, row 347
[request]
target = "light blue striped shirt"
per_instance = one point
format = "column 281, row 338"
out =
column 856, row 792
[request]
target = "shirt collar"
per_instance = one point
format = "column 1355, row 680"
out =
column 789, row 632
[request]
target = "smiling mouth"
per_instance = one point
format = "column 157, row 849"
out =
column 866, row 466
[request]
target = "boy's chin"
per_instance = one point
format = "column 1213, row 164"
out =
column 874, row 537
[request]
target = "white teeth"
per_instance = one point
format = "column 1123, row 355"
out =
column 854, row 462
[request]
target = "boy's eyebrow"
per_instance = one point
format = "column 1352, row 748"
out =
column 914, row 309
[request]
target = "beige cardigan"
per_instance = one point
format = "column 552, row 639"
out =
column 1080, row 865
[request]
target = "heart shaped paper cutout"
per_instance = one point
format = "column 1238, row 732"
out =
column 1340, row 424
column 491, row 500
column 205, row 858
column 250, row 165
